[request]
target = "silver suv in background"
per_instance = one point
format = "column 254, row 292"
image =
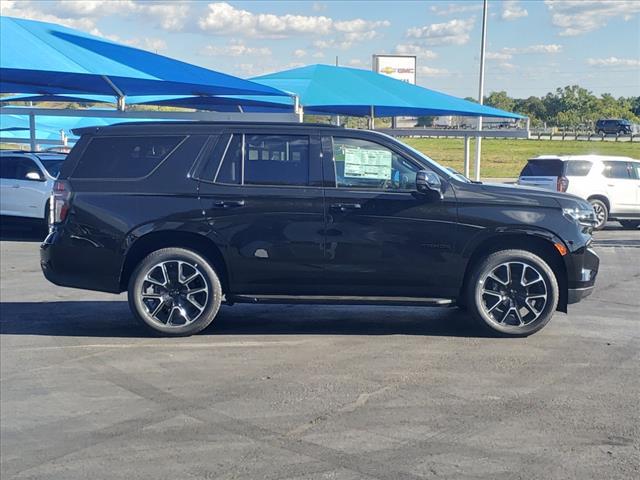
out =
column 610, row 184
column 26, row 181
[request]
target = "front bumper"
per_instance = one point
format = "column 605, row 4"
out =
column 582, row 275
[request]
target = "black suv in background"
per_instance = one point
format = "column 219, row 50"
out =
column 613, row 126
column 188, row 215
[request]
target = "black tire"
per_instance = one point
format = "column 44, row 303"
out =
column 178, row 264
column 629, row 224
column 601, row 211
column 510, row 306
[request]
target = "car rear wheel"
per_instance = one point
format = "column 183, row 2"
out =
column 175, row 292
column 601, row 211
column 512, row 293
column 630, row 224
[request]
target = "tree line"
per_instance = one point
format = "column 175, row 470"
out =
column 568, row 107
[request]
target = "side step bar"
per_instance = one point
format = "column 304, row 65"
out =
column 339, row 300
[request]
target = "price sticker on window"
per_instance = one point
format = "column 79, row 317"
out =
column 367, row 163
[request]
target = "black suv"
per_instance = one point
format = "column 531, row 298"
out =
column 613, row 126
column 188, row 215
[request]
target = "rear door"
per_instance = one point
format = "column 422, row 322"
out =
column 264, row 204
column 622, row 186
column 542, row 173
column 9, row 185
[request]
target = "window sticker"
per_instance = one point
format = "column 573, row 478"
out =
column 367, row 163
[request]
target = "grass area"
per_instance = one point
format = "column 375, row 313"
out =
column 504, row 158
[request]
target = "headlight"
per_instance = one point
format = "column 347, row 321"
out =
column 582, row 214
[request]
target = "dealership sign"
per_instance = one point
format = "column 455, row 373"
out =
column 400, row 67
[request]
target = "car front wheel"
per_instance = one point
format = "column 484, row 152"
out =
column 175, row 292
column 512, row 293
column 601, row 211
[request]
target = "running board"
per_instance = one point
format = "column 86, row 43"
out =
column 339, row 300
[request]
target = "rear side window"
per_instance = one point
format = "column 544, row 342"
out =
column 578, row 168
column 276, row 160
column 265, row 160
column 542, row 168
column 124, row 157
column 9, row 167
column 621, row 170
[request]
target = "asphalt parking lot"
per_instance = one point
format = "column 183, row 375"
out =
column 292, row 392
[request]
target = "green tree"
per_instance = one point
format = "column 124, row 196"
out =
column 500, row 100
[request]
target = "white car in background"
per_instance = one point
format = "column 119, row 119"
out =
column 610, row 184
column 26, row 181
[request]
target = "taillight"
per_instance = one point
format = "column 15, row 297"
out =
column 563, row 184
column 59, row 201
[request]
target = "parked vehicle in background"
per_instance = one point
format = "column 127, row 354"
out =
column 186, row 215
column 26, row 182
column 610, row 184
column 614, row 126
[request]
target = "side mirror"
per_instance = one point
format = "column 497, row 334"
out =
column 34, row 176
column 427, row 182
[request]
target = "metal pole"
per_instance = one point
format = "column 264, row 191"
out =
column 467, row 141
column 337, row 116
column 481, row 89
column 32, row 132
column 372, row 119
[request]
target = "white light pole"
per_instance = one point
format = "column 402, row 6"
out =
column 481, row 89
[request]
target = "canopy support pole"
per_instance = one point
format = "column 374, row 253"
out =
column 467, row 142
column 120, row 97
column 32, row 132
column 298, row 109
column 372, row 118
column 481, row 89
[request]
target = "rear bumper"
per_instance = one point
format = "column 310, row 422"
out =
column 70, row 263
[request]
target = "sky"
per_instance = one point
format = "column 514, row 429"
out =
column 533, row 47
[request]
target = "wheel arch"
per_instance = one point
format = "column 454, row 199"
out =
column 156, row 240
column 540, row 245
column 602, row 198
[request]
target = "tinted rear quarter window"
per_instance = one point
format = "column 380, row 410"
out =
column 276, row 160
column 9, row 167
column 618, row 170
column 578, row 168
column 124, row 157
column 542, row 168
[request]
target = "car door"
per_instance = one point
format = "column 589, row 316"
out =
column 622, row 187
column 382, row 237
column 9, row 185
column 263, row 204
column 32, row 192
column 635, row 169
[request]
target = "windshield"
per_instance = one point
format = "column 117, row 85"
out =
column 53, row 166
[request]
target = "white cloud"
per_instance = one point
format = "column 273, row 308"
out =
column 453, row 32
column 299, row 53
column 540, row 48
column 410, row 49
column 511, row 10
column 318, row 55
column 576, row 17
column 223, row 18
column 83, row 14
column 426, row 71
column 498, row 56
column 614, row 62
column 319, row 7
column 454, row 8
column 235, row 48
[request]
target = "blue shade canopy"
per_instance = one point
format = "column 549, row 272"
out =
column 38, row 57
column 351, row 91
column 221, row 103
column 48, row 127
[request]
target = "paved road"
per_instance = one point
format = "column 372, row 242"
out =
column 316, row 392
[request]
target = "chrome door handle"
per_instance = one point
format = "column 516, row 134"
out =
column 229, row 204
column 343, row 207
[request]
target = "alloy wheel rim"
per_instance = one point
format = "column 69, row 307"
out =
column 599, row 211
column 174, row 293
column 513, row 294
